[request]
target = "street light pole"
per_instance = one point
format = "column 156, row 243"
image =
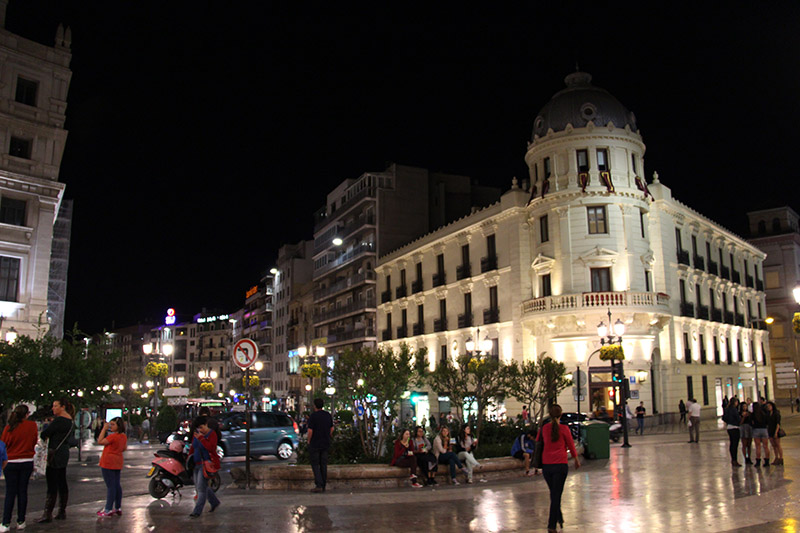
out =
column 753, row 321
column 607, row 338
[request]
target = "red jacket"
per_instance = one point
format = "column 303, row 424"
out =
column 400, row 450
column 21, row 443
column 556, row 452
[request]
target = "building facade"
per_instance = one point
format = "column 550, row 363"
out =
column 33, row 102
column 776, row 232
column 537, row 271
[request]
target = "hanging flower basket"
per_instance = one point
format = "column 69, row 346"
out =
column 475, row 363
column 796, row 323
column 206, row 388
column 254, row 381
column 614, row 351
column 313, row 370
column 156, row 370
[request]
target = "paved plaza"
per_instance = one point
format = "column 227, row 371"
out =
column 661, row 483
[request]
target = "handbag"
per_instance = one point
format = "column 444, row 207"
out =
column 781, row 433
column 538, row 450
column 51, row 453
column 210, row 468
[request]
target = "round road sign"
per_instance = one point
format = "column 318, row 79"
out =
column 245, row 353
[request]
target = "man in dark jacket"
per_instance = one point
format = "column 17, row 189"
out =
column 320, row 431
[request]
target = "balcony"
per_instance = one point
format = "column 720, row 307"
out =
column 386, row 335
column 739, row 319
column 386, row 296
column 488, row 263
column 724, row 272
column 683, row 258
column 416, row 286
column 702, row 312
column 465, row 320
column 463, row 271
column 748, row 281
column 759, row 285
column 687, row 309
column 491, row 315
column 344, row 310
column 400, row 292
column 440, row 324
column 713, row 268
column 699, row 262
column 418, row 329
column 716, row 314
column 344, row 335
column 402, row 332
column 439, row 279
column 727, row 317
column 595, row 300
column 363, row 248
column 736, row 278
column 343, row 285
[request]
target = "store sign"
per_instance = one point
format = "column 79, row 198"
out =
column 205, row 319
column 170, row 318
column 251, row 292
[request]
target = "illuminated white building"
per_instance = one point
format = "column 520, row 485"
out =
column 33, row 102
column 539, row 270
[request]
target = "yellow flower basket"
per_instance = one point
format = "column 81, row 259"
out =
column 614, row 351
column 254, row 381
column 156, row 370
column 313, row 370
column 206, row 388
column 475, row 363
column 796, row 323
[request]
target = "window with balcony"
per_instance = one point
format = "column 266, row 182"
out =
column 26, row 92
column 698, row 260
column 583, row 160
column 387, row 294
column 439, row 277
column 703, row 358
column 440, row 324
column 465, row 320
column 12, row 211
column 544, row 230
column 687, row 309
column 402, row 331
column 489, row 262
column 548, row 170
column 417, row 285
column 464, row 271
column 602, row 159
column 419, row 327
column 544, row 282
column 597, row 219
column 492, row 314
column 648, row 280
column 9, row 279
column 687, row 351
column 716, row 351
column 601, row 279
column 400, row 291
column 387, row 333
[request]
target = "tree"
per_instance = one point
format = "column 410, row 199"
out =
column 538, row 383
column 448, row 378
column 372, row 382
column 523, row 382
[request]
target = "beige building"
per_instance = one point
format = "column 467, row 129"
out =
column 33, row 102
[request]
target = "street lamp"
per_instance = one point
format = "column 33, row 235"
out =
column 607, row 339
column 484, row 346
column 753, row 322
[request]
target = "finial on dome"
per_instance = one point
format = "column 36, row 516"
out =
column 578, row 79
column 655, row 177
column 514, row 183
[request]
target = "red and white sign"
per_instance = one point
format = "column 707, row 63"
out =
column 245, row 353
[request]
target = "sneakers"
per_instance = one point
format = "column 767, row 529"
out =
column 4, row 528
column 117, row 512
column 415, row 485
column 103, row 513
column 469, row 480
column 21, row 525
column 454, row 481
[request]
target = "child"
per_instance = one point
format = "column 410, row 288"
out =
column 112, row 438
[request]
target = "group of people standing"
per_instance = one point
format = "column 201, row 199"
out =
column 756, row 423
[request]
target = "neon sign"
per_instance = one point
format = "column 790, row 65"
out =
column 170, row 318
column 205, row 319
column 251, row 292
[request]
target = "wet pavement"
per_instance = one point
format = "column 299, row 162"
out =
column 661, row 483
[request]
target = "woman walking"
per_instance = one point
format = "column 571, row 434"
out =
column 203, row 448
column 758, row 419
column 403, row 456
column 773, row 427
column 557, row 439
column 20, row 437
column 468, row 445
column 733, row 419
column 56, row 434
column 112, row 438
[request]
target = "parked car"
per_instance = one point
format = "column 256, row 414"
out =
column 271, row 433
column 573, row 420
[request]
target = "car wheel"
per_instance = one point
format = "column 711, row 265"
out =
column 157, row 488
column 285, row 450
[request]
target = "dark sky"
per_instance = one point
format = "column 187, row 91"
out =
column 203, row 136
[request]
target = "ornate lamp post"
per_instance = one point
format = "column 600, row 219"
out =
column 207, row 378
column 607, row 339
column 753, row 322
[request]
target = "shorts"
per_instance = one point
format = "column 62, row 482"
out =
column 746, row 431
column 760, row 433
column 519, row 455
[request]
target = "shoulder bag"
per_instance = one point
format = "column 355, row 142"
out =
column 781, row 433
column 538, row 450
column 51, row 453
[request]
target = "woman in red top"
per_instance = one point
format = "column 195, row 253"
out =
column 112, row 438
column 20, row 437
column 404, row 456
column 557, row 439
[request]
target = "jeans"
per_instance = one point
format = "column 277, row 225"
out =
column 451, row 459
column 640, row 425
column 203, row 492
column 468, row 459
column 555, row 476
column 17, row 477
column 113, row 488
column 319, row 465
column 695, row 428
column 733, row 435
column 409, row 462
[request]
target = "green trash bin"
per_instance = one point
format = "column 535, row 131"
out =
column 595, row 439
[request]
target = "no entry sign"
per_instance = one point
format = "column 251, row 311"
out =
column 245, row 353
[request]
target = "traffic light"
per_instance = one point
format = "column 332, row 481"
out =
column 611, row 393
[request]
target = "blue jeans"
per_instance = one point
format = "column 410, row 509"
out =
column 640, row 427
column 17, row 477
column 451, row 459
column 113, row 488
column 203, row 492
column 555, row 475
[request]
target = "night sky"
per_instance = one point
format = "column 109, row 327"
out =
column 203, row 136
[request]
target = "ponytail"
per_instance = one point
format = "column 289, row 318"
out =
column 555, row 414
column 17, row 416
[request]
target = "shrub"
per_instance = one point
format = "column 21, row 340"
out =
column 167, row 420
column 346, row 449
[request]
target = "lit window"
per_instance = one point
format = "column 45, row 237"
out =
column 9, row 279
column 601, row 279
column 597, row 219
column 583, row 160
column 602, row 159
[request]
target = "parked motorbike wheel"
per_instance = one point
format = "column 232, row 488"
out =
column 214, row 483
column 157, row 488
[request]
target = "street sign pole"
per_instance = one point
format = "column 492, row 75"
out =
column 245, row 353
column 247, row 431
column 578, row 385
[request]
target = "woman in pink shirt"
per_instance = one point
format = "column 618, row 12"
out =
column 557, row 439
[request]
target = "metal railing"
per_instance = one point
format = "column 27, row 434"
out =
column 344, row 284
column 345, row 309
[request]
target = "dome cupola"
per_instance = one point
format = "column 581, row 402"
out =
column 580, row 103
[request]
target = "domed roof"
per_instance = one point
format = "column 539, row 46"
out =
column 579, row 103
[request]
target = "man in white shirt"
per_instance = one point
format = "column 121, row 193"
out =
column 694, row 421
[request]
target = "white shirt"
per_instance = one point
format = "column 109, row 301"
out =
column 694, row 409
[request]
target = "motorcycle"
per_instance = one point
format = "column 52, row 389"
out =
column 172, row 469
column 615, row 431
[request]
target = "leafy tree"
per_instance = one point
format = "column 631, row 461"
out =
column 373, row 380
column 538, row 383
column 448, row 378
column 523, row 382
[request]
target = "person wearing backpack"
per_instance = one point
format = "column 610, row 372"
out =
column 733, row 419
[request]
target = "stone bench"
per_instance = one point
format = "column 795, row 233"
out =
column 300, row 477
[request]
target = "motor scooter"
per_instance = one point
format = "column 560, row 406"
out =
column 172, row 469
